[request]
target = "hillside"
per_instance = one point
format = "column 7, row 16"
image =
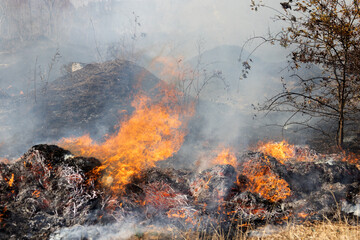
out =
column 89, row 100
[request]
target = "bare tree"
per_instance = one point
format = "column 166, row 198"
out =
column 325, row 34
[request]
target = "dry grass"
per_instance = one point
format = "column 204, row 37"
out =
column 321, row 230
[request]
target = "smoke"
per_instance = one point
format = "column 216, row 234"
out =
column 32, row 34
column 122, row 229
column 87, row 31
column 350, row 208
column 118, row 230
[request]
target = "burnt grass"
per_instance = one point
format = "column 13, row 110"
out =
column 48, row 190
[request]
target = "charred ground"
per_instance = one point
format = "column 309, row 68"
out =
column 48, row 191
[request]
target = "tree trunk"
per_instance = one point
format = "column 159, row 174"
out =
column 340, row 132
column 342, row 101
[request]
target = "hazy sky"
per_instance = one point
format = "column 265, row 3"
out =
column 183, row 22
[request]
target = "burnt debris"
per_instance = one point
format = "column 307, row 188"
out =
column 45, row 189
column 48, row 189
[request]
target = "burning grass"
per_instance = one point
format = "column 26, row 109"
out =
column 351, row 158
column 285, row 152
column 226, row 156
column 154, row 132
column 282, row 151
column 262, row 180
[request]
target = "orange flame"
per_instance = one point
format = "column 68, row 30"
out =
column 36, row 193
column 162, row 196
column 261, row 179
column 153, row 133
column 351, row 158
column 1, row 217
column 189, row 215
column 282, row 151
column 176, row 213
column 265, row 182
column 302, row 214
column 226, row 156
column 11, row 180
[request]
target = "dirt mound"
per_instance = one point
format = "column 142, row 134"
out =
column 91, row 100
column 92, row 97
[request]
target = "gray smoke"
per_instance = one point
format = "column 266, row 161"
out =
column 123, row 230
column 39, row 44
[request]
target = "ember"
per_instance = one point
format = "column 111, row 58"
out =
column 259, row 177
column 161, row 196
column 226, row 156
column 36, row 193
column 303, row 215
column 282, row 151
column 263, row 180
column 11, row 180
column 352, row 158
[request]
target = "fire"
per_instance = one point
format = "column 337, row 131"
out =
column 36, row 193
column 226, row 156
column 282, row 151
column 302, row 215
column 189, row 215
column 263, row 181
column 351, row 158
column 161, row 196
column 1, row 217
column 10, row 181
column 176, row 213
column 154, row 132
